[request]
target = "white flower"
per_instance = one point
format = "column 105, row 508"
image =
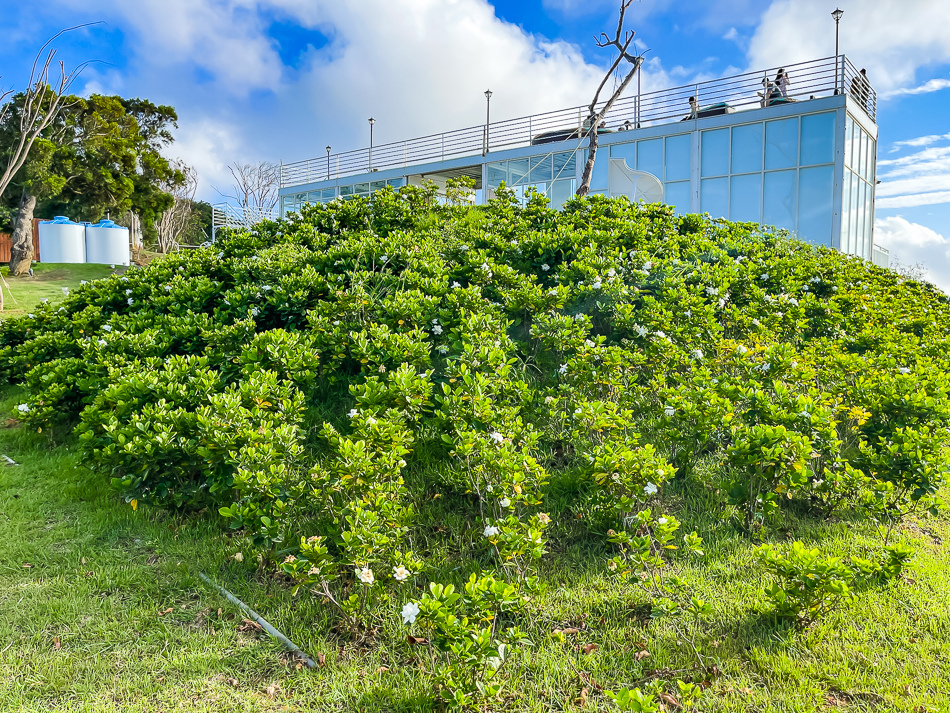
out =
column 697, row 354
column 66, row 291
column 353, row 413
column 661, row 335
column 83, row 282
column 549, row 399
column 545, row 267
column 596, row 284
column 711, row 291
column 31, row 315
column 455, row 284
column 496, row 437
column 834, row 289
column 764, row 276
column 722, row 302
column 106, row 327
column 220, row 256
column 131, row 300
column 544, row 518
column 563, row 369
column 504, row 502
column 23, row 408
column 589, row 343
column 491, row 531
column 650, row 489
column 648, row 265
column 365, row 575
column 642, row 331
column 384, row 258
column 436, row 329
column 741, row 349
column 102, row 342
column 688, row 313
column 266, row 288
column 255, row 311
column 577, row 411
column 443, row 349
column 128, row 292
column 485, row 267
column 805, row 414
column 336, row 323
column 904, row 370
column 168, row 288
column 669, row 411
column 409, row 613
column 661, row 521
column 400, row 573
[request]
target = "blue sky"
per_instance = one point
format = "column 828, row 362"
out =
column 281, row 79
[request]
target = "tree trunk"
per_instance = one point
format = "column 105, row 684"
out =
column 584, row 188
column 21, row 252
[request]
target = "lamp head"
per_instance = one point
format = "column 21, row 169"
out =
column 837, row 14
column 328, row 149
column 372, row 121
column 488, row 93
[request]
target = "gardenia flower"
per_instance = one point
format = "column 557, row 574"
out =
column 255, row 311
column 82, row 282
column 648, row 265
column 168, row 288
column 131, row 300
column 661, row 335
column 545, row 267
column 385, row 258
column 562, row 369
column 650, row 489
column 353, row 413
column 455, row 284
column 237, row 557
column 697, row 354
column 596, row 285
column 544, row 518
column 409, row 613
column 400, row 573
column 443, row 350
column 669, row 411
column 904, row 370
column 661, row 521
column 642, row 331
column 365, row 575
column 66, row 291
column 23, row 408
column 106, row 327
column 128, row 292
column 491, row 531
column 712, row 291
column 741, row 349
column 496, row 437
column 436, row 329
column 504, row 502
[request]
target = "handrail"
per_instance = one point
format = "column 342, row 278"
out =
column 225, row 215
column 812, row 79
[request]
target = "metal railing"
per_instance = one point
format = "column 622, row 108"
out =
column 225, row 215
column 816, row 78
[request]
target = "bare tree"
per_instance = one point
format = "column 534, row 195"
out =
column 178, row 221
column 621, row 41
column 255, row 188
column 42, row 102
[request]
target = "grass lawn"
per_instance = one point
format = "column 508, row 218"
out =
column 47, row 282
column 103, row 611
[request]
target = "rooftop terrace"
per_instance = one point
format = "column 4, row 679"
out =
column 808, row 80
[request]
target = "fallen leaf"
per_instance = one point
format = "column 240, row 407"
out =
column 417, row 640
column 321, row 659
column 56, row 643
column 249, row 625
column 566, row 632
column 272, row 690
column 83, row 560
column 166, row 611
column 581, row 700
column 670, row 700
column 640, row 655
column 589, row 649
column 233, row 682
column 382, row 669
column 27, row 565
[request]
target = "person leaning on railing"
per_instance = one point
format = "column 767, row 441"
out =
column 782, row 81
column 860, row 88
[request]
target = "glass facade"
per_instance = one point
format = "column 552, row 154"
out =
column 552, row 174
column 857, row 199
column 296, row 201
column 669, row 159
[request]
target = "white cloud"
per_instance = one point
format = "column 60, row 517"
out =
column 891, row 38
column 920, row 178
column 919, row 141
column 912, row 243
column 208, row 145
column 934, row 85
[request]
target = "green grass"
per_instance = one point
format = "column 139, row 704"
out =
column 47, row 282
column 111, row 616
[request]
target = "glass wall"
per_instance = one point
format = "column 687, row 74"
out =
column 857, row 211
column 553, row 175
column 669, row 159
column 778, row 172
column 293, row 203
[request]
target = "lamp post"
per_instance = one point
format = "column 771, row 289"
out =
column 371, row 122
column 487, row 119
column 328, row 163
column 837, row 15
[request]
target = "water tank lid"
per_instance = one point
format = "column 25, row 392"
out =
column 107, row 224
column 59, row 220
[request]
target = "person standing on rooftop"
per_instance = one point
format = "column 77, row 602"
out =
column 693, row 108
column 860, row 88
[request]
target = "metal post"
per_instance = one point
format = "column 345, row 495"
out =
column 637, row 102
column 487, row 120
column 837, row 15
column 328, row 163
column 371, row 122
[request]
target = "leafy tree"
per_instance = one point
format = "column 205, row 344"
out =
column 102, row 154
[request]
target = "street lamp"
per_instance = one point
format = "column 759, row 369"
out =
column 371, row 122
column 328, row 163
column 487, row 119
column 837, row 15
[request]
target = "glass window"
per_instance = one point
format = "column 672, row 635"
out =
column 628, row 152
column 376, row 185
column 779, row 199
column 845, row 245
column 781, row 143
column 862, row 155
column 565, row 165
column 361, row 188
column 747, row 148
column 677, row 157
column 870, row 160
column 853, row 210
column 541, row 169
column 346, row 190
column 598, row 178
column 396, row 182
column 677, row 195
column 815, row 190
column 314, row 196
column 818, row 139
column 869, row 221
column 329, row 193
column 561, row 191
column 849, row 142
column 497, row 173
column 650, row 157
column 745, row 198
column 518, row 170
column 715, row 152
column 714, row 197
